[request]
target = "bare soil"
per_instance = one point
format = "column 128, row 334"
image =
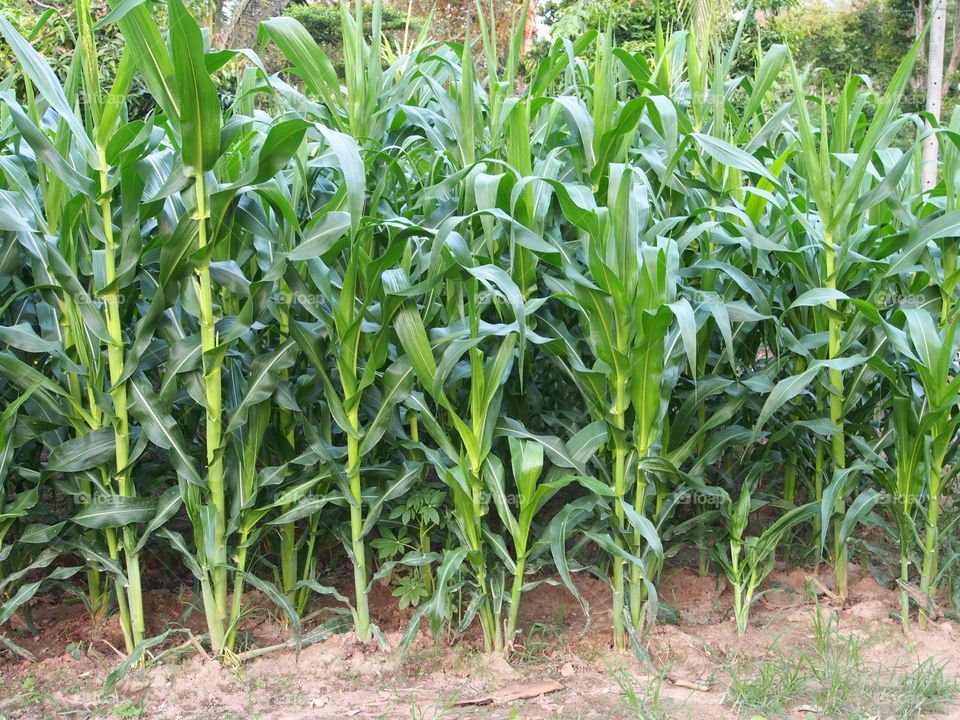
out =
column 689, row 673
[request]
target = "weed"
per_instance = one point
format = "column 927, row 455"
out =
column 130, row 709
column 767, row 686
column 538, row 644
column 925, row 689
column 833, row 678
column 438, row 710
column 643, row 703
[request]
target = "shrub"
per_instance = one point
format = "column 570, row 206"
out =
column 867, row 37
column 323, row 24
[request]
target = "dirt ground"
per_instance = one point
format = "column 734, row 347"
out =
column 802, row 657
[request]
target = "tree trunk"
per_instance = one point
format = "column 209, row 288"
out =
column 938, row 29
column 530, row 28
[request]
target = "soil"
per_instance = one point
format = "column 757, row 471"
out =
column 687, row 673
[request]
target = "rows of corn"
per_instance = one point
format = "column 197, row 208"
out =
column 463, row 328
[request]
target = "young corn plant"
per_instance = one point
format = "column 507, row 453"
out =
column 935, row 363
column 89, row 304
column 198, row 225
column 532, row 493
column 632, row 321
column 919, row 373
column 198, row 125
column 466, row 444
column 354, row 301
column 839, row 192
column 747, row 559
column 902, row 479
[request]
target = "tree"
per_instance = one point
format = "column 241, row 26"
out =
column 938, row 29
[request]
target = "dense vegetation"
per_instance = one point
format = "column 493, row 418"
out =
column 481, row 333
column 867, row 37
column 400, row 29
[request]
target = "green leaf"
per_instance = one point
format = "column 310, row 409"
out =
column 46, row 83
column 818, row 296
column 646, row 529
column 728, row 155
column 309, row 61
column 790, row 387
column 280, row 145
column 88, row 451
column 120, row 672
column 413, row 337
column 162, row 429
column 149, row 52
column 116, row 511
column 398, row 486
column 199, row 119
column 24, row 338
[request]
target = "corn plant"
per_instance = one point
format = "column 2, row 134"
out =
column 466, row 449
column 746, row 559
column 902, row 479
column 90, row 309
column 839, row 193
column 532, row 493
column 24, row 557
column 938, row 419
column 355, row 297
column 633, row 302
column 199, row 223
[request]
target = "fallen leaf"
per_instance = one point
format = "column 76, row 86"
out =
column 515, row 691
column 688, row 684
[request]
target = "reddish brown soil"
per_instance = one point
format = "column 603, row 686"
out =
column 338, row 678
